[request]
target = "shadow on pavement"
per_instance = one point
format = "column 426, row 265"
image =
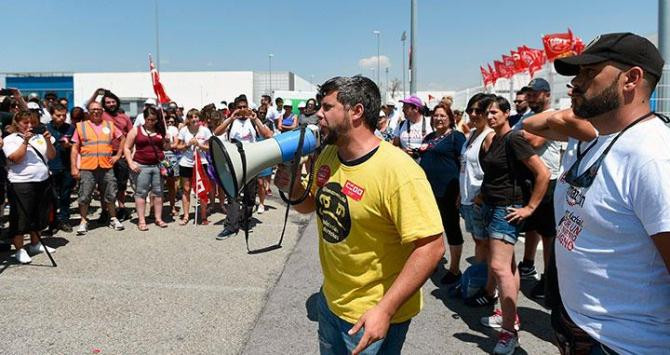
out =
column 7, row 259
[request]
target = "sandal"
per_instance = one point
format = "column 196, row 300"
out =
column 161, row 224
column 183, row 222
column 142, row 227
column 204, row 222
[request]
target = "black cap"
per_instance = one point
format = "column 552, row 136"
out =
column 625, row 48
column 537, row 84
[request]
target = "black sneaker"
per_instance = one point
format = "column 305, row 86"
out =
column 65, row 227
column 527, row 272
column 538, row 289
column 481, row 299
column 225, row 234
column 450, row 278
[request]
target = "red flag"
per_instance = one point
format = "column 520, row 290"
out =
column 494, row 76
column 486, row 76
column 577, row 46
column 202, row 185
column 501, row 70
column 509, row 64
column 534, row 59
column 156, row 81
column 519, row 64
column 430, row 97
column 558, row 45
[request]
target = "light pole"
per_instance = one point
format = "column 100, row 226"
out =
column 377, row 33
column 403, row 38
column 663, row 87
column 412, row 46
column 270, row 67
column 386, row 86
column 158, row 48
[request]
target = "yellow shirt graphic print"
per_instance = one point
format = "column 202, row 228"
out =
column 369, row 215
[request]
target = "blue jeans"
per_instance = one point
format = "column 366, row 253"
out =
column 333, row 337
column 497, row 227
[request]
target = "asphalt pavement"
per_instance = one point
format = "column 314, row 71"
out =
column 179, row 290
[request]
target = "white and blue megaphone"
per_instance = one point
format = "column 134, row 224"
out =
column 235, row 164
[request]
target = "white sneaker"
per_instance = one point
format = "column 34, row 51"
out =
column 82, row 229
column 261, row 209
column 496, row 320
column 507, row 343
column 22, row 256
column 115, row 224
column 39, row 248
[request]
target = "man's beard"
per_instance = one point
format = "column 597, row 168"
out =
column 334, row 133
column 112, row 111
column 608, row 100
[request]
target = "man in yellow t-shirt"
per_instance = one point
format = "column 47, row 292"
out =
column 379, row 226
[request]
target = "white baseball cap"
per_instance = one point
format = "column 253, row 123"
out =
column 302, row 104
column 150, row 101
column 33, row 106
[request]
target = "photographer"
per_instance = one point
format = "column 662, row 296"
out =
column 410, row 133
column 243, row 125
column 27, row 151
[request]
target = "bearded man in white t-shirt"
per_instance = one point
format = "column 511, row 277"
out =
column 613, row 217
column 243, row 125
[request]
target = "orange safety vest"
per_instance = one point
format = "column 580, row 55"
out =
column 96, row 150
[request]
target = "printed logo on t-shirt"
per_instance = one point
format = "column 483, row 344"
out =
column 568, row 230
column 332, row 207
column 106, row 130
column 352, row 190
column 322, row 175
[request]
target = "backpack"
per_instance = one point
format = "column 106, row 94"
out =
column 473, row 279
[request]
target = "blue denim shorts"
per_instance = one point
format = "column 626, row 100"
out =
column 334, row 339
column 472, row 214
column 496, row 225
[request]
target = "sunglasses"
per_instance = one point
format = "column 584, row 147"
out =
column 518, row 101
column 476, row 111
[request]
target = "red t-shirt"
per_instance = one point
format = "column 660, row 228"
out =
column 122, row 123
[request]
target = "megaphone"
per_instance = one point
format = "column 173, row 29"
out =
column 237, row 163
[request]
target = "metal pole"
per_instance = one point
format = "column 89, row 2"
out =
column 412, row 46
column 403, row 38
column 386, row 85
column 270, row 67
column 158, row 50
column 377, row 33
column 663, row 87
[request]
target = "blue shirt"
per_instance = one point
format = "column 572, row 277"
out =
column 62, row 160
column 441, row 159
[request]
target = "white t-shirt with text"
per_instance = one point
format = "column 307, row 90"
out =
column 31, row 168
column 243, row 131
column 612, row 279
column 188, row 158
column 414, row 138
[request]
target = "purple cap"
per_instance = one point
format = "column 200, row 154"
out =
column 412, row 100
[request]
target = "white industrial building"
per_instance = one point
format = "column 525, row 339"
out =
column 189, row 89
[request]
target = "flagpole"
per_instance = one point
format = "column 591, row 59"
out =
column 158, row 48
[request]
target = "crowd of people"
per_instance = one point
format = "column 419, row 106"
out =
column 98, row 152
column 557, row 177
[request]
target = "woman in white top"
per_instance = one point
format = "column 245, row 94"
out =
column 472, row 175
column 192, row 138
column 28, row 150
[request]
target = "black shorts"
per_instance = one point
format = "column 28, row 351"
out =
column 186, row 173
column 27, row 211
column 543, row 219
column 121, row 174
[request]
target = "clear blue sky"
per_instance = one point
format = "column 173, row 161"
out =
column 316, row 38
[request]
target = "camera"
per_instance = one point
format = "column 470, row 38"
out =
column 39, row 129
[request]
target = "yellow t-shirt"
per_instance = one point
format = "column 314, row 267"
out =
column 368, row 216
